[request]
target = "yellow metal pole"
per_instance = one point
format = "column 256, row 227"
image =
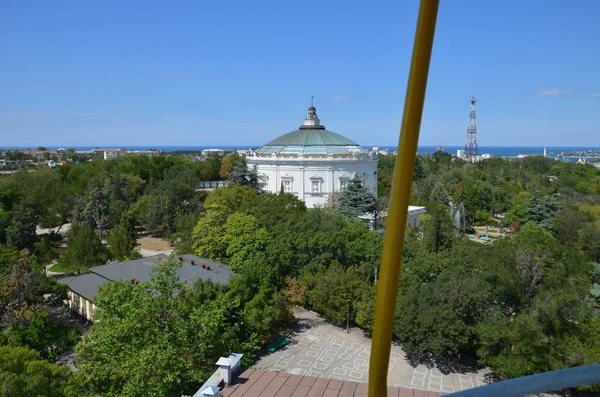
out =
column 391, row 260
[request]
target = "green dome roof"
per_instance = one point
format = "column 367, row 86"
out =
column 311, row 138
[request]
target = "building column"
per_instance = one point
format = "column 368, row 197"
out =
column 301, row 188
column 277, row 180
column 87, row 310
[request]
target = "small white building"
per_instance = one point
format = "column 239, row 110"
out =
column 313, row 163
column 213, row 151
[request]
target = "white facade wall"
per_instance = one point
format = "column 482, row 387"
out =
column 81, row 306
column 313, row 179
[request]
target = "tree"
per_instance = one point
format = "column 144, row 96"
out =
column 356, row 199
column 419, row 170
column 243, row 237
column 122, row 243
column 557, row 331
column 21, row 232
column 43, row 335
column 225, row 201
column 20, row 277
column 23, row 374
column 84, row 248
column 46, row 250
column 230, row 163
column 274, row 211
column 589, row 240
column 157, row 212
column 543, row 209
column 183, row 240
column 333, row 292
column 155, row 338
column 438, row 228
column 566, row 226
column 209, row 238
column 483, row 218
column 517, row 213
column 243, row 176
column 439, row 194
column 96, row 210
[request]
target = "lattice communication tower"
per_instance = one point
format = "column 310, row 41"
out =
column 471, row 149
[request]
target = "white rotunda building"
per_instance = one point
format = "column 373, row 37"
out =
column 313, row 163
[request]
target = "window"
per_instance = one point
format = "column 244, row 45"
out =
column 316, row 184
column 343, row 183
column 287, row 185
column 316, row 187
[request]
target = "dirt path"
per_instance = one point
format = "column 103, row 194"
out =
column 149, row 246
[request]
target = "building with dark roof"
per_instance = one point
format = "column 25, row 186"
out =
column 313, row 163
column 83, row 288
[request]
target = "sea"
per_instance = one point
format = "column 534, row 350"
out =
column 499, row 151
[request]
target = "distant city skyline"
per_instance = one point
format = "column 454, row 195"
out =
column 215, row 74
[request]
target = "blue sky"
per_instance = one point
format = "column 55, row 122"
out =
column 242, row 72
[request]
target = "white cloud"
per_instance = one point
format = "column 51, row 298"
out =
column 554, row 92
column 338, row 97
column 595, row 95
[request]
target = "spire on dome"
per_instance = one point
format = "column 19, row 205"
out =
column 312, row 120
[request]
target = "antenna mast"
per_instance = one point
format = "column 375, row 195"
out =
column 471, row 149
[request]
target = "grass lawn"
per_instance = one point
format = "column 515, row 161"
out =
column 61, row 268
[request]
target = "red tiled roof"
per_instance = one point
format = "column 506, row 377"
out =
column 258, row 383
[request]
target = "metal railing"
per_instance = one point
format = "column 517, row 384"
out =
column 538, row 383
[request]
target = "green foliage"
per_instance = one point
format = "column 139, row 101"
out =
column 333, row 292
column 23, row 374
column 566, row 226
column 46, row 250
column 356, row 199
column 84, row 248
column 21, row 276
column 160, row 338
column 441, row 315
column 517, row 213
column 438, row 228
column 48, row 291
column 225, row 201
column 122, row 243
column 208, row 234
column 274, row 211
column 230, row 163
column 21, row 232
column 182, row 238
column 519, row 304
column 61, row 267
column 43, row 335
column 483, row 218
column 589, row 240
column 243, row 236
column 243, row 176
column 543, row 209
column 209, row 238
